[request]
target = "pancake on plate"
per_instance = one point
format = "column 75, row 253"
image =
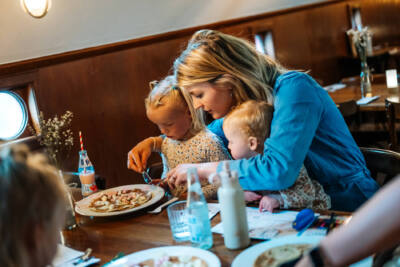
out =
column 119, row 200
column 278, row 255
column 173, row 261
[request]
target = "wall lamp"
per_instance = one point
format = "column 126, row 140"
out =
column 36, row 8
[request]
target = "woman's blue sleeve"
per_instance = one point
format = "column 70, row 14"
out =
column 295, row 120
column 216, row 127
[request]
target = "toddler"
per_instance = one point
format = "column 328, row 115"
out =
column 246, row 127
column 32, row 208
column 187, row 140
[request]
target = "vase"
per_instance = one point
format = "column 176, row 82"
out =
column 365, row 80
column 70, row 220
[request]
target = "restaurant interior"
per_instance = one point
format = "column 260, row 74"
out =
column 96, row 59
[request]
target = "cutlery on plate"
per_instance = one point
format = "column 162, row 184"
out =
column 146, row 177
column 84, row 257
column 159, row 208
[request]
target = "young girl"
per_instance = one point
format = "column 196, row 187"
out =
column 246, row 127
column 32, row 208
column 186, row 138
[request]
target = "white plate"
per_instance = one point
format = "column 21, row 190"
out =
column 82, row 206
column 210, row 258
column 248, row 256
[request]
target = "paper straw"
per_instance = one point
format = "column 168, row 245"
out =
column 80, row 139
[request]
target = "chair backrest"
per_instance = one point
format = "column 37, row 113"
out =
column 155, row 170
column 349, row 110
column 393, row 115
column 383, row 164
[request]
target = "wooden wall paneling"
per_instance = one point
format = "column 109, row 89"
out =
column 326, row 28
column 105, row 86
column 106, row 94
column 383, row 18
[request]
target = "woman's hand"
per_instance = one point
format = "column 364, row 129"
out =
column 178, row 175
column 138, row 156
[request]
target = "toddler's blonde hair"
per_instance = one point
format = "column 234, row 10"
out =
column 167, row 93
column 30, row 194
column 252, row 118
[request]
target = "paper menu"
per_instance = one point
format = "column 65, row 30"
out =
column 267, row 225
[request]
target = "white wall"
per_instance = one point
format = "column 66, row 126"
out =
column 77, row 24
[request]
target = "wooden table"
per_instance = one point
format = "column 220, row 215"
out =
column 133, row 232
column 353, row 92
column 136, row 231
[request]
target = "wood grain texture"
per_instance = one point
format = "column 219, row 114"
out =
column 105, row 86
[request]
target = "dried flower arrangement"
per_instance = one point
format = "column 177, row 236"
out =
column 56, row 136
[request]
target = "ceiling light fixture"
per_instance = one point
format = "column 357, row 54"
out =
column 36, row 8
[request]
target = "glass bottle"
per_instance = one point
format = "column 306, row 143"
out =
column 86, row 174
column 199, row 223
column 365, row 80
column 233, row 210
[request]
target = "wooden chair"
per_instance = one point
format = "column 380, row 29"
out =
column 383, row 164
column 393, row 116
column 155, row 170
column 350, row 113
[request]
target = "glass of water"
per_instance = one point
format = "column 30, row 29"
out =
column 177, row 215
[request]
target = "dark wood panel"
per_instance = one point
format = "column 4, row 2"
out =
column 105, row 86
column 106, row 94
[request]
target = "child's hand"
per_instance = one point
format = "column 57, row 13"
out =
column 268, row 203
column 138, row 156
column 250, row 196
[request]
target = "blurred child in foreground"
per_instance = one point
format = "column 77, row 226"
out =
column 32, row 208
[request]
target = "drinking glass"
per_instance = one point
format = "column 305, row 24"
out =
column 177, row 215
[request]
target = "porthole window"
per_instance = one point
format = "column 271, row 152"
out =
column 13, row 115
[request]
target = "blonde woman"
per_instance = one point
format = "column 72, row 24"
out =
column 32, row 209
column 186, row 139
column 220, row 71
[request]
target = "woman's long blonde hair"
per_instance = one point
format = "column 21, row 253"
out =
column 166, row 92
column 219, row 58
column 30, row 194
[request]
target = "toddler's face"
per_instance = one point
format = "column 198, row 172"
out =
column 174, row 122
column 238, row 143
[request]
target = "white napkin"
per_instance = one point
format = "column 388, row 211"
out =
column 66, row 256
column 366, row 100
column 333, row 87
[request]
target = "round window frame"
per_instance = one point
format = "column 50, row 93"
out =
column 24, row 108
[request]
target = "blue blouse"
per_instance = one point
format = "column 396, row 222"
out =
column 307, row 127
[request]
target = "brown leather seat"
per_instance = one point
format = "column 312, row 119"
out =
column 393, row 116
column 383, row 164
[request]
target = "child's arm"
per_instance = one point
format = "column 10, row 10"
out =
column 138, row 156
column 250, row 196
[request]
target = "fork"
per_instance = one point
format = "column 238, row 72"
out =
column 146, row 177
column 84, row 257
column 159, row 208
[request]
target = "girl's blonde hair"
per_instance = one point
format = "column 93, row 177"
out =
column 252, row 118
column 30, row 195
column 167, row 93
column 221, row 59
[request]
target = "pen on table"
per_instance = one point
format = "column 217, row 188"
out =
column 331, row 223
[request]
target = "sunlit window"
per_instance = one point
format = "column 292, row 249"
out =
column 265, row 43
column 13, row 115
column 356, row 22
